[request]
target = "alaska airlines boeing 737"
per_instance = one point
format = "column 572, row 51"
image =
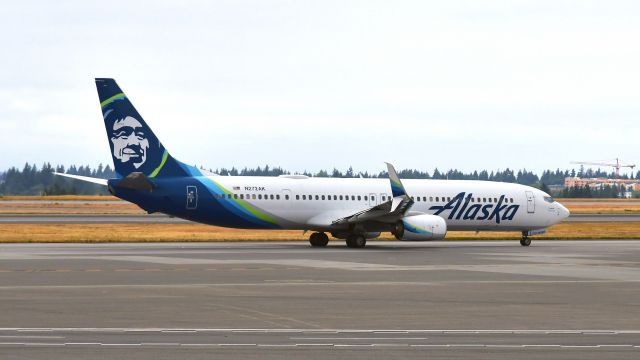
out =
column 351, row 209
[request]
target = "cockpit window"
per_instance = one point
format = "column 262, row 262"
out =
column 549, row 199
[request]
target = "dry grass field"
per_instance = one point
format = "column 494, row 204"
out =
column 60, row 197
column 197, row 232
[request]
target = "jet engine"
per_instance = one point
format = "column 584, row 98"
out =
column 420, row 228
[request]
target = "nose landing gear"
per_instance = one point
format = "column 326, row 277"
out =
column 525, row 241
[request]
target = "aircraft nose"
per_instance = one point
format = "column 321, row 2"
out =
column 564, row 212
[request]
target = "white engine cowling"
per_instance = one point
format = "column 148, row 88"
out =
column 421, row 228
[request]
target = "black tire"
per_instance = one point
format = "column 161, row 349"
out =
column 525, row 241
column 318, row 239
column 356, row 241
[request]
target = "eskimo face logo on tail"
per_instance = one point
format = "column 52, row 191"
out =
column 129, row 141
column 133, row 146
column 462, row 208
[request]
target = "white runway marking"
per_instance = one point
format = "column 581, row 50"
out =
column 338, row 331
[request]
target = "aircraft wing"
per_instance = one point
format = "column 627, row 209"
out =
column 389, row 211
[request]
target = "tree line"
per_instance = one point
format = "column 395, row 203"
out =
column 31, row 180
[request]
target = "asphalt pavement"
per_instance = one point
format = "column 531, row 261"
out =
column 494, row 300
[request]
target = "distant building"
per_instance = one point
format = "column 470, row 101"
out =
column 598, row 183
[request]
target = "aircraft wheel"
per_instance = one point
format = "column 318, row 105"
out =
column 525, row 241
column 319, row 239
column 356, row 241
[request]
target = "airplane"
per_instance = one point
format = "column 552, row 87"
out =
column 352, row 209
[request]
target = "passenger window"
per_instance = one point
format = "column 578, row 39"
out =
column 489, row 200
column 304, row 197
column 271, row 196
column 241, row 196
column 365, row 198
column 353, row 197
column 335, row 197
column 277, row 197
column 317, row 197
column 322, row 197
column 437, row 198
column 253, row 196
column 418, row 198
column 340, row 197
column 259, row 196
column 495, row 200
column 359, row 198
column 286, row 197
column 297, row 197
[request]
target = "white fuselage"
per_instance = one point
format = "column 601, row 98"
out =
column 314, row 203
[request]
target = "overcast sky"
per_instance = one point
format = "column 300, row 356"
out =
column 311, row 85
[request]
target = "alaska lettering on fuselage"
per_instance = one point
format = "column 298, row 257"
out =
column 460, row 209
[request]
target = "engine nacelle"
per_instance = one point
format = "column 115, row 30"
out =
column 420, row 228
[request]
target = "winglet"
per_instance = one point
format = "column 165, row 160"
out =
column 397, row 189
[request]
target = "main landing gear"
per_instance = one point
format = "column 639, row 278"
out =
column 319, row 239
column 525, row 241
column 356, row 241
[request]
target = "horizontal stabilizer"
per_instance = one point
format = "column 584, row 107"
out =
column 84, row 178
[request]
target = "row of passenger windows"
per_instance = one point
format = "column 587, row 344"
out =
column 250, row 196
column 448, row 198
column 347, row 197
column 337, row 197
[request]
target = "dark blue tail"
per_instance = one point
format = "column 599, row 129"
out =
column 134, row 147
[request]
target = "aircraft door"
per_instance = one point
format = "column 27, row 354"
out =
column 373, row 200
column 192, row 197
column 531, row 202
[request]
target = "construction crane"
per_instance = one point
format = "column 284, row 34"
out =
column 616, row 165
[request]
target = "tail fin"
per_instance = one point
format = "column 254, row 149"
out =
column 134, row 147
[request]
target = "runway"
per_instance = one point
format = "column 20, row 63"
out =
column 164, row 219
column 497, row 300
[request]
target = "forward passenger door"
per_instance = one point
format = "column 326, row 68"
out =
column 531, row 202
